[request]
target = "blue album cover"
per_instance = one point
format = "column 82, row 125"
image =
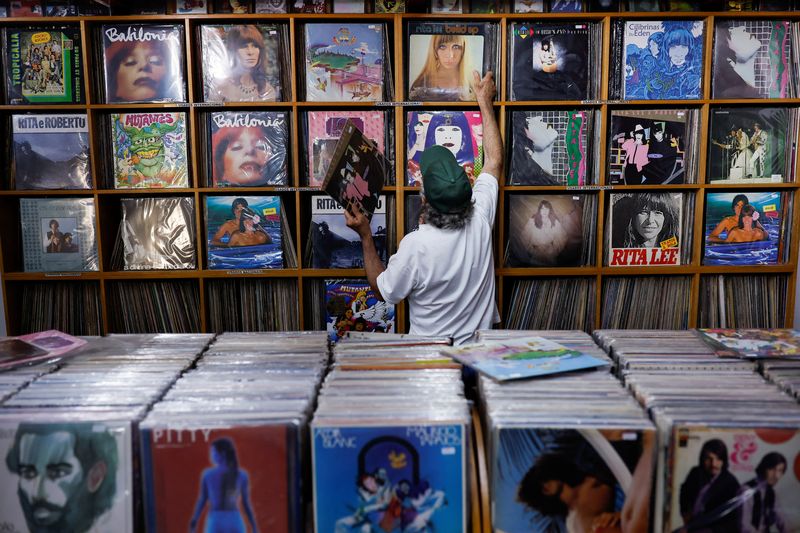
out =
column 351, row 305
column 743, row 228
column 389, row 479
column 244, row 232
column 593, row 471
column 333, row 244
column 663, row 60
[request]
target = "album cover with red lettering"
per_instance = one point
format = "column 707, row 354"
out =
column 645, row 229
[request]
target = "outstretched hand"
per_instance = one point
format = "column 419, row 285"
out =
column 484, row 88
column 358, row 223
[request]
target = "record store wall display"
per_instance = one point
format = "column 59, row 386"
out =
column 133, row 132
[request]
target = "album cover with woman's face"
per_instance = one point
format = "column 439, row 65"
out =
column 549, row 61
column 461, row 132
column 242, row 63
column 189, row 469
column 645, row 229
column 744, row 228
column 442, row 57
column 545, row 230
column 144, row 63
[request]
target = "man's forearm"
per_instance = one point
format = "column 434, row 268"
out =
column 372, row 263
column 492, row 145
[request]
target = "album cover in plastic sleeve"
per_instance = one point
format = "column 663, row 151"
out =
column 271, row 6
column 66, row 475
column 149, row 150
column 344, row 62
column 751, row 144
column 50, row 152
column 143, row 63
column 244, row 232
column 333, row 244
column 442, row 56
column 648, row 147
column 43, row 65
column 744, row 228
column 401, row 478
column 752, row 59
column 58, row 234
column 755, row 343
column 242, row 63
column 324, row 130
column 390, row 6
column 158, row 233
column 528, row 6
column 545, row 230
column 566, row 6
column 610, row 468
column 249, row 148
column 550, row 147
column 191, row 7
column 351, row 305
column 461, row 132
column 549, row 61
column 662, row 60
column 187, row 468
column 645, row 228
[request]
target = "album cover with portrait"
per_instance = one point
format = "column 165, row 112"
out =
column 351, row 305
column 752, row 59
column 447, row 6
column 50, row 152
column 58, row 234
column 528, row 6
column 610, row 467
column 751, row 144
column 649, row 147
column 759, row 465
column 143, row 63
column 333, row 244
column 390, row 6
column 185, row 468
column 442, row 56
column 149, row 150
column 344, row 62
column 550, row 61
column 567, row 6
column 461, row 132
column 545, row 230
column 645, row 229
column 94, row 489
column 324, row 129
column 419, row 470
column 44, row 65
column 243, row 232
column 551, row 147
column 662, row 60
column 249, row 148
column 242, row 63
column 271, row 6
column 744, row 228
column 158, row 233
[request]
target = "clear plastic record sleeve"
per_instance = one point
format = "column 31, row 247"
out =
column 158, row 233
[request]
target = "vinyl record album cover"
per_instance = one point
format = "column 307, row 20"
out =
column 549, row 61
column 344, row 62
column 249, row 148
column 51, row 152
column 743, row 228
column 645, row 228
column 333, row 244
column 461, row 132
column 401, row 478
column 550, row 147
column 149, row 150
column 545, row 230
column 44, row 65
column 242, row 63
column 144, row 63
column 663, row 60
column 58, row 234
column 243, row 232
column 158, row 233
column 755, row 343
column 351, row 305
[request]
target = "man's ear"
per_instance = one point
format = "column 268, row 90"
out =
column 96, row 476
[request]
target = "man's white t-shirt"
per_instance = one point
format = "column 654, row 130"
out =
column 448, row 275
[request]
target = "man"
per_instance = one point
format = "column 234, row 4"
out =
column 67, row 474
column 708, row 491
column 446, row 267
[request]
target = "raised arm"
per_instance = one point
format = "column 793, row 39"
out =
column 372, row 262
column 492, row 144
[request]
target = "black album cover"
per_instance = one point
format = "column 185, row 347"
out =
column 549, row 61
column 143, row 63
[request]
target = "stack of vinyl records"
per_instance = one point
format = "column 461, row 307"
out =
column 530, row 304
column 552, row 439
column 721, row 297
column 381, row 466
column 14, row 380
column 728, row 439
column 785, row 374
column 232, row 430
column 628, row 302
column 68, row 437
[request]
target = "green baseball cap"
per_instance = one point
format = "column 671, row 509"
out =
column 446, row 184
